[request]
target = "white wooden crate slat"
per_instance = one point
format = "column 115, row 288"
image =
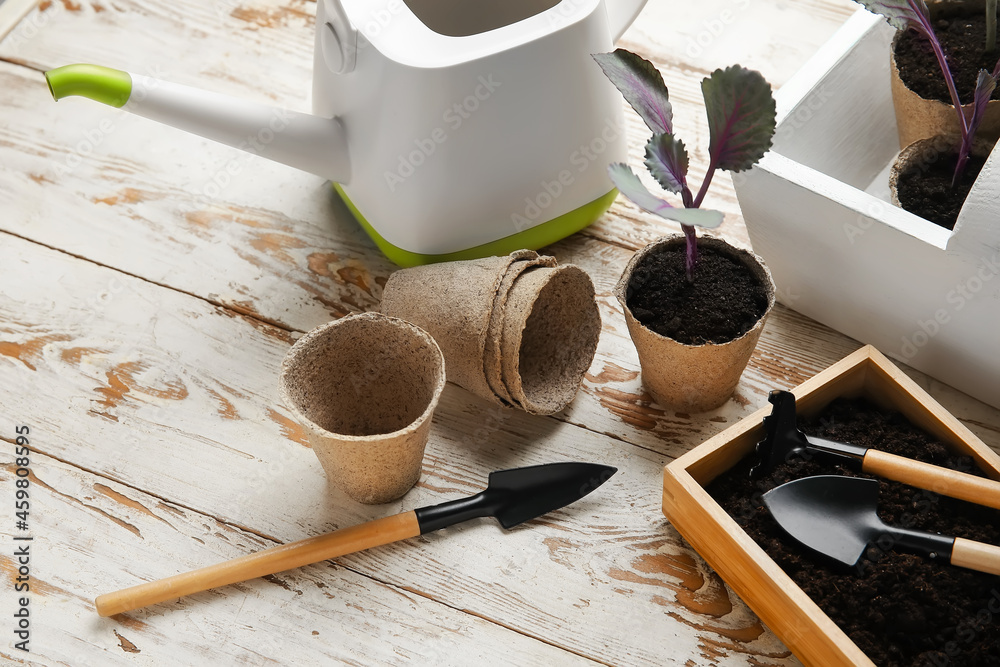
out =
column 921, row 294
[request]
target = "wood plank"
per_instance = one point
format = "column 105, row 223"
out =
column 298, row 261
column 11, row 13
column 289, row 242
column 286, row 30
column 166, row 393
column 92, row 534
column 157, row 382
column 292, row 255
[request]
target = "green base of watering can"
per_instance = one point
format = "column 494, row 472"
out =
column 537, row 237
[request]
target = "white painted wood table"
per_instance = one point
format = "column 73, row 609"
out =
column 142, row 324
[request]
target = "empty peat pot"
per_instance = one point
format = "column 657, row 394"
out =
column 549, row 337
column 365, row 387
column 681, row 376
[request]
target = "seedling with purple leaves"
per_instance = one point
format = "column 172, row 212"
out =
column 913, row 15
column 741, row 121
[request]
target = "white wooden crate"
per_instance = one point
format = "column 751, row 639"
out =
column 817, row 210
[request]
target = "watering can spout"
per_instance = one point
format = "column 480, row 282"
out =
column 312, row 143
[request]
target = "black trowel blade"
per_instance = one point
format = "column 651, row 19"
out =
column 834, row 515
column 530, row 492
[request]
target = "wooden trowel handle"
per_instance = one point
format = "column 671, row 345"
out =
column 976, row 556
column 934, row 478
column 270, row 561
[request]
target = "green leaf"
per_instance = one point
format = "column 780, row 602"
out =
column 741, row 117
column 900, row 14
column 629, row 185
column 642, row 86
column 667, row 161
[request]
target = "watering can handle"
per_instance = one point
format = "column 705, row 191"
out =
column 621, row 14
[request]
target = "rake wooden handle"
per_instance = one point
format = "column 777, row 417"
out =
column 976, row 556
column 270, row 561
column 934, row 478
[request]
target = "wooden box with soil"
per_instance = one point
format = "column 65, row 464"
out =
column 902, row 610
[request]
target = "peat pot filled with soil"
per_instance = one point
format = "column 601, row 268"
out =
column 921, row 178
column 919, row 93
column 694, row 338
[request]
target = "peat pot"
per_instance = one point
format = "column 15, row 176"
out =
column 692, row 378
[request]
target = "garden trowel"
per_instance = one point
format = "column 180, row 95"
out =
column 837, row 516
column 783, row 441
column 512, row 496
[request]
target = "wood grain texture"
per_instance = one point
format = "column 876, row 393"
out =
column 148, row 296
column 946, row 482
column 11, row 13
column 976, row 556
column 273, row 560
column 770, row 591
column 281, row 268
column 128, row 392
column 92, row 533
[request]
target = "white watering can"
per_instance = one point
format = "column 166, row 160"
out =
column 451, row 128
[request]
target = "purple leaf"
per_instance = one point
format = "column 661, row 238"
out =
column 901, row 14
column 741, row 117
column 641, row 85
column 667, row 161
column 629, row 185
column 985, row 85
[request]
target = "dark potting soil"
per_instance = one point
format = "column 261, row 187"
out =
column 927, row 192
column 900, row 609
column 722, row 303
column 963, row 39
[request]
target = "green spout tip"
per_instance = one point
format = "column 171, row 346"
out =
column 102, row 84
